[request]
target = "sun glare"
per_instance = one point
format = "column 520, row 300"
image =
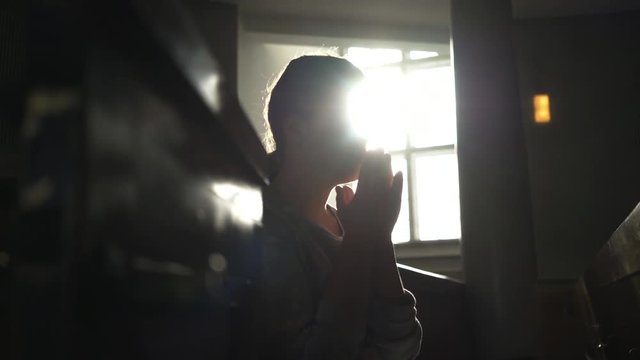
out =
column 375, row 105
column 390, row 108
column 375, row 111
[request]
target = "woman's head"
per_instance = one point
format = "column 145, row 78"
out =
column 307, row 113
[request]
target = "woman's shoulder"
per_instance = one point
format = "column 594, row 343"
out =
column 283, row 224
column 278, row 219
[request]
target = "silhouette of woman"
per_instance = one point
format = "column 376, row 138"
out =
column 329, row 285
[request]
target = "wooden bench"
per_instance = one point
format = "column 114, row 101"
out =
column 609, row 295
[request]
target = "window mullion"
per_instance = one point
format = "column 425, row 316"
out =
column 449, row 148
column 410, row 180
column 412, row 198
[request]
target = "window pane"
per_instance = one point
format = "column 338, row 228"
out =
column 433, row 107
column 366, row 57
column 421, row 54
column 401, row 232
column 437, row 196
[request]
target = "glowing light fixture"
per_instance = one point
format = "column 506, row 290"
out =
column 542, row 114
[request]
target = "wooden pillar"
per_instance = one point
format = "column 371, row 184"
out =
column 497, row 232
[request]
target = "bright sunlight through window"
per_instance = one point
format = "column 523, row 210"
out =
column 406, row 105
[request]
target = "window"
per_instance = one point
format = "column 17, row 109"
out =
column 407, row 106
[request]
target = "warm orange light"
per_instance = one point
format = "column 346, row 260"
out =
column 542, row 114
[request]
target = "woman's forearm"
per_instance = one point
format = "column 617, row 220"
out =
column 349, row 286
column 387, row 281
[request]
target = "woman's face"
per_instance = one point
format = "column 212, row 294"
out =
column 329, row 140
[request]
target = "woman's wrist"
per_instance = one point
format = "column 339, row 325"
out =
column 369, row 232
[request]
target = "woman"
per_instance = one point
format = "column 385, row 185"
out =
column 329, row 285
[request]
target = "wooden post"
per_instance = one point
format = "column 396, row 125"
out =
column 497, row 232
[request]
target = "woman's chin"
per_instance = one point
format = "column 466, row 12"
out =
column 351, row 174
column 347, row 168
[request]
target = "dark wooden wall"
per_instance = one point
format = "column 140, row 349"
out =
column 497, row 233
column 128, row 220
column 583, row 165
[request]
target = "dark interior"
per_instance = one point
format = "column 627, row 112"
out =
column 110, row 142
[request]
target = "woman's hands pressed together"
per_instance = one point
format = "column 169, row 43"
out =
column 365, row 264
column 369, row 216
column 374, row 208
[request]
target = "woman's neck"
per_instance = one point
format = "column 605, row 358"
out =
column 307, row 192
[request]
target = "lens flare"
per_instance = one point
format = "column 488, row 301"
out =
column 378, row 109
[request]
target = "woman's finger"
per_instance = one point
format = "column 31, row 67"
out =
column 395, row 197
column 347, row 195
column 366, row 180
column 381, row 173
column 340, row 203
column 388, row 170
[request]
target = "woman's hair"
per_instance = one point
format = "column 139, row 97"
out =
column 306, row 84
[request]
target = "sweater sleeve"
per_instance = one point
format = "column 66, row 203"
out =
column 291, row 320
column 324, row 339
column 393, row 331
column 289, row 332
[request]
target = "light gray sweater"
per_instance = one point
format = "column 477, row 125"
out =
column 295, row 262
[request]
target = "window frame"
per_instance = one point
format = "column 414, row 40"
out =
column 410, row 151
